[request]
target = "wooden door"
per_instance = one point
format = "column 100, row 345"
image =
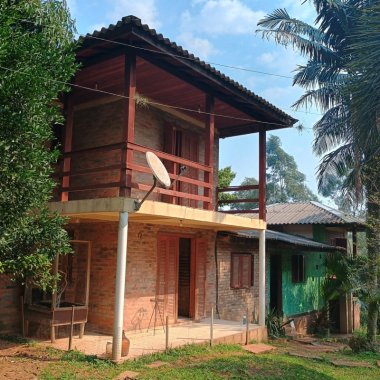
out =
column 167, row 276
column 185, row 144
column 199, row 266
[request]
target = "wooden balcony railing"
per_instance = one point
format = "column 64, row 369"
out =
column 238, row 201
column 103, row 167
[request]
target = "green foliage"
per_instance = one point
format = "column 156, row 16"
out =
column 359, row 343
column 225, row 177
column 247, row 194
column 285, row 183
column 36, row 59
column 274, row 323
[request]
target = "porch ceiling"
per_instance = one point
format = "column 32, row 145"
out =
column 152, row 212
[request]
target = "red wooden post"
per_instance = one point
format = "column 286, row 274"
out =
column 209, row 148
column 129, row 122
column 67, row 145
column 262, row 174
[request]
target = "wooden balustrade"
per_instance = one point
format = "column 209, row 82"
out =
column 239, row 200
column 91, row 182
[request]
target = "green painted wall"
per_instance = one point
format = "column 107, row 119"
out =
column 300, row 298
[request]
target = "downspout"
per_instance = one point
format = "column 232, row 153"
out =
column 216, row 275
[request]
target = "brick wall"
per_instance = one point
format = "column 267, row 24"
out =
column 9, row 306
column 233, row 303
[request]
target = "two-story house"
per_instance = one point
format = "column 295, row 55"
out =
column 136, row 91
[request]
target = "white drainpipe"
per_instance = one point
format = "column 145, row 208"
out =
column 262, row 278
column 120, row 285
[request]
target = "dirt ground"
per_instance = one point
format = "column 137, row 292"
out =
column 21, row 361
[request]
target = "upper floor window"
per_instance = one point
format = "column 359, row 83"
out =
column 298, row 268
column 241, row 270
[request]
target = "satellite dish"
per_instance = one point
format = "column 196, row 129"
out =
column 158, row 169
column 160, row 174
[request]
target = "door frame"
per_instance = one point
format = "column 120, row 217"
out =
column 279, row 281
column 192, row 300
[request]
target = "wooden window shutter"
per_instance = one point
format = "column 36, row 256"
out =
column 241, row 270
column 200, row 278
column 245, row 270
column 234, row 281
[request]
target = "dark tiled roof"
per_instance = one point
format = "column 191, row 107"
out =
column 177, row 50
column 289, row 239
column 308, row 213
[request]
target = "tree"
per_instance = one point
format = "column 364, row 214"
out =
column 285, row 183
column 345, row 140
column 225, row 177
column 36, row 60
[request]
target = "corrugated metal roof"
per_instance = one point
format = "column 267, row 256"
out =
column 308, row 213
column 289, row 239
column 135, row 22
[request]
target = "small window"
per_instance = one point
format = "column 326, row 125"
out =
column 298, row 268
column 241, row 270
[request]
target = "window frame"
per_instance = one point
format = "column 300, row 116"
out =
column 240, row 256
column 298, row 267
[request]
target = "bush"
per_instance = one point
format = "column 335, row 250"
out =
column 359, row 343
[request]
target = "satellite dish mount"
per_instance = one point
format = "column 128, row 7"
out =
column 160, row 175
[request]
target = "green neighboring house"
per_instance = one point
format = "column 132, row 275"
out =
column 295, row 273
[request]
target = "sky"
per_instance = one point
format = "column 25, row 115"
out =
column 223, row 32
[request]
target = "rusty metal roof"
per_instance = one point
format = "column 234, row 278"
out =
column 288, row 239
column 308, row 213
column 132, row 24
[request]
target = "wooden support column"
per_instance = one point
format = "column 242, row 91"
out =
column 209, row 149
column 128, row 122
column 262, row 175
column 67, row 145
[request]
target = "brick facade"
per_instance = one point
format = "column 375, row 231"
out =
column 141, row 272
column 233, row 303
column 9, row 306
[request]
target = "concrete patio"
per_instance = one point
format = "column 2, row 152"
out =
column 188, row 332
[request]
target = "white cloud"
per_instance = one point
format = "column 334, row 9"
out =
column 220, row 17
column 98, row 26
column 146, row 10
column 266, row 58
column 200, row 47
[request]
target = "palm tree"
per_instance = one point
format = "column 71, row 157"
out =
column 343, row 136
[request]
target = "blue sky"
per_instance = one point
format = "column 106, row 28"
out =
column 223, row 31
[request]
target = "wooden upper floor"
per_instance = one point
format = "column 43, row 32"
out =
column 136, row 92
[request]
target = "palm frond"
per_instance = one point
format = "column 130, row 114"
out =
column 332, row 130
column 280, row 21
column 324, row 97
column 314, row 74
column 338, row 162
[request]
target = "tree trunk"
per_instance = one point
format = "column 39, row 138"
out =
column 373, row 232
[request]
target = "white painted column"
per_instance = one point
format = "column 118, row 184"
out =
column 121, row 266
column 262, row 278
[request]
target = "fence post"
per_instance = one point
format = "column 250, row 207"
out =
column 71, row 327
column 212, row 327
column 167, row 334
column 247, row 329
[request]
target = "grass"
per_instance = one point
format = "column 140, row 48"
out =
column 220, row 362
column 197, row 362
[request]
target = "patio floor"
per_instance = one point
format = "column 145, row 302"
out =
column 142, row 343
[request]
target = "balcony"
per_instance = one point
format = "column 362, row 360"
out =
column 121, row 170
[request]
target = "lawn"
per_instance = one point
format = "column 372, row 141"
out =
column 191, row 362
